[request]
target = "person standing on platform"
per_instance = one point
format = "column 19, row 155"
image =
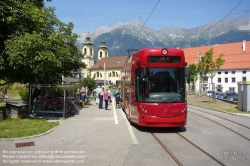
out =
column 110, row 100
column 84, row 90
column 4, row 94
column 117, row 95
column 101, row 98
column 94, row 94
column 106, row 98
column 98, row 89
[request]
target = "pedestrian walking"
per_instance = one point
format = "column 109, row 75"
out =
column 106, row 98
column 84, row 91
column 4, row 94
column 101, row 98
column 127, row 95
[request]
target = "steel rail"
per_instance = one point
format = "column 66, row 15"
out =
column 167, row 150
column 222, row 118
column 222, row 126
column 202, row 150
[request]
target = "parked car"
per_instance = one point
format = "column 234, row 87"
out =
column 209, row 93
column 219, row 95
column 228, row 95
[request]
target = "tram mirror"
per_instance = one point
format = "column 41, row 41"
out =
column 145, row 72
column 187, row 70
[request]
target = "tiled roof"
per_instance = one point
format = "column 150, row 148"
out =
column 110, row 62
column 234, row 57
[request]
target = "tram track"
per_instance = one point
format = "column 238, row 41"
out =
column 221, row 118
column 178, row 162
column 222, row 124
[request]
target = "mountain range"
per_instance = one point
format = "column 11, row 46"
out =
column 134, row 35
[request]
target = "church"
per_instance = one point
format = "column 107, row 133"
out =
column 105, row 68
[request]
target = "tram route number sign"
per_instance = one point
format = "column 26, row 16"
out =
column 171, row 59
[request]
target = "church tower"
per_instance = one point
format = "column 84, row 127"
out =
column 102, row 51
column 88, row 53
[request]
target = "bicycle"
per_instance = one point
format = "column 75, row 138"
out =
column 72, row 107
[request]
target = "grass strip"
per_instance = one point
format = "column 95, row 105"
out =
column 16, row 128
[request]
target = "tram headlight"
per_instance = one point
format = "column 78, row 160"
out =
column 142, row 109
column 184, row 110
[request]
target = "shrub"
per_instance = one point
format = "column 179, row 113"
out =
column 24, row 93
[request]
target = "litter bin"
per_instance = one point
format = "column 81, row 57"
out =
column 16, row 109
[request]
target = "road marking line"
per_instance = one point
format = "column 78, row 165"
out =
column 115, row 114
column 96, row 118
column 131, row 132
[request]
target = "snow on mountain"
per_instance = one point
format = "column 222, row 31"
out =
column 124, row 36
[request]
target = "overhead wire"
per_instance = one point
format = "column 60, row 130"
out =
column 216, row 22
column 233, row 22
column 144, row 24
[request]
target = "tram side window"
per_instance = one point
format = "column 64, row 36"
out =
column 138, row 85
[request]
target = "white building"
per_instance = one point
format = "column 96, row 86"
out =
column 235, row 69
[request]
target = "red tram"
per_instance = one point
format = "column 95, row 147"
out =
column 154, row 87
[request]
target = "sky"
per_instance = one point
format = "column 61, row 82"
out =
column 89, row 15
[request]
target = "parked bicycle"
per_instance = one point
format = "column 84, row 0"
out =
column 52, row 105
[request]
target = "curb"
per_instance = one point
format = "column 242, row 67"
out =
column 242, row 115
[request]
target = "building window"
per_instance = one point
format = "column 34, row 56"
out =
column 244, row 78
column 91, row 51
column 226, row 72
column 244, row 72
column 233, row 79
column 85, row 50
column 226, row 80
column 231, row 89
column 219, row 72
column 219, row 80
column 233, row 72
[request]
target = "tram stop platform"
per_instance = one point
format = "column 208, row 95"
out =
column 93, row 137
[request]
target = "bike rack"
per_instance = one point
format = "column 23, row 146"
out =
column 48, row 87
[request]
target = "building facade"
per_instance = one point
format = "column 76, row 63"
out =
column 235, row 69
column 105, row 68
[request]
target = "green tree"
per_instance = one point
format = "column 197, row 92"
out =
column 35, row 46
column 207, row 66
column 89, row 82
column 193, row 76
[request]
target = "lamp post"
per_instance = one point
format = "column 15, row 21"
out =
column 104, row 70
column 104, row 75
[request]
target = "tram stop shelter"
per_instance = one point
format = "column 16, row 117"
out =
column 244, row 96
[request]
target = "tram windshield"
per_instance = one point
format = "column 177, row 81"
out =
column 166, row 85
